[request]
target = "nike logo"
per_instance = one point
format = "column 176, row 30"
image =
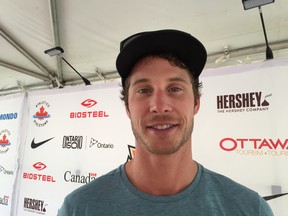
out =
column 274, row 196
column 35, row 145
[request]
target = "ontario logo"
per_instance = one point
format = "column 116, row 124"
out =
column 255, row 146
column 5, row 172
column 132, row 152
column 243, row 102
column 41, row 116
column 34, row 205
column 100, row 145
column 4, row 141
column 88, row 103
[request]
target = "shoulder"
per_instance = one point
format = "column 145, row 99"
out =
column 233, row 195
column 223, row 182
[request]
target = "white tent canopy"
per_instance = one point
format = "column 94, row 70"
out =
column 90, row 32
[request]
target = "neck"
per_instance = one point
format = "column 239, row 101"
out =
column 162, row 175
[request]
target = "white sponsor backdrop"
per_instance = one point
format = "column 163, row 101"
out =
column 10, row 135
column 246, row 139
column 71, row 136
column 84, row 128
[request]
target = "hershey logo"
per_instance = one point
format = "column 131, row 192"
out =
column 34, row 204
column 252, row 99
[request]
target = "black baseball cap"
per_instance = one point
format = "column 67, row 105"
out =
column 182, row 45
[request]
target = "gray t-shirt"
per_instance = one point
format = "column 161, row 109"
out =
column 209, row 194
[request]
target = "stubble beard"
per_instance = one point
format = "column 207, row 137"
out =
column 166, row 150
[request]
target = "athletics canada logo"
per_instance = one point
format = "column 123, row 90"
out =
column 242, row 102
column 4, row 141
column 34, row 205
column 132, row 152
column 8, row 116
column 41, row 116
column 4, row 200
column 38, row 177
column 5, row 172
column 72, row 142
column 88, row 103
column 78, row 177
column 255, row 146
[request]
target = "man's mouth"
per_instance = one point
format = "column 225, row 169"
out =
column 162, row 127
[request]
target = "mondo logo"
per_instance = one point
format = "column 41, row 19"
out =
column 4, row 141
column 37, row 176
column 242, row 102
column 88, row 103
column 41, row 115
column 8, row 116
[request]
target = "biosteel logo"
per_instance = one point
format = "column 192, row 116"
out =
column 255, row 146
column 39, row 166
column 242, row 102
column 41, row 116
column 88, row 103
column 37, row 176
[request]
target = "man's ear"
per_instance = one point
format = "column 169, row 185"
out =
column 127, row 111
column 197, row 106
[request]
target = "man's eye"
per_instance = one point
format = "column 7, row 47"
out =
column 143, row 91
column 174, row 89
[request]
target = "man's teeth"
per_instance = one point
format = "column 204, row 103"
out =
column 161, row 127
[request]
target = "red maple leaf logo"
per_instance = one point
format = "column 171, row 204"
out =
column 4, row 140
column 42, row 112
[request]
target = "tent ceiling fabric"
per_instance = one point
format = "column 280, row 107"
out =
column 90, row 32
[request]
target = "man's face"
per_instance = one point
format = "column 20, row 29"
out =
column 161, row 106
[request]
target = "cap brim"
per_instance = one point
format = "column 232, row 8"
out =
column 180, row 44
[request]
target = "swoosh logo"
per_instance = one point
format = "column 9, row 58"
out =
column 36, row 145
column 274, row 196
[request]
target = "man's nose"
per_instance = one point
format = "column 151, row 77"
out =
column 160, row 103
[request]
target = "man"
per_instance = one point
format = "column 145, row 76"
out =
column 159, row 72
